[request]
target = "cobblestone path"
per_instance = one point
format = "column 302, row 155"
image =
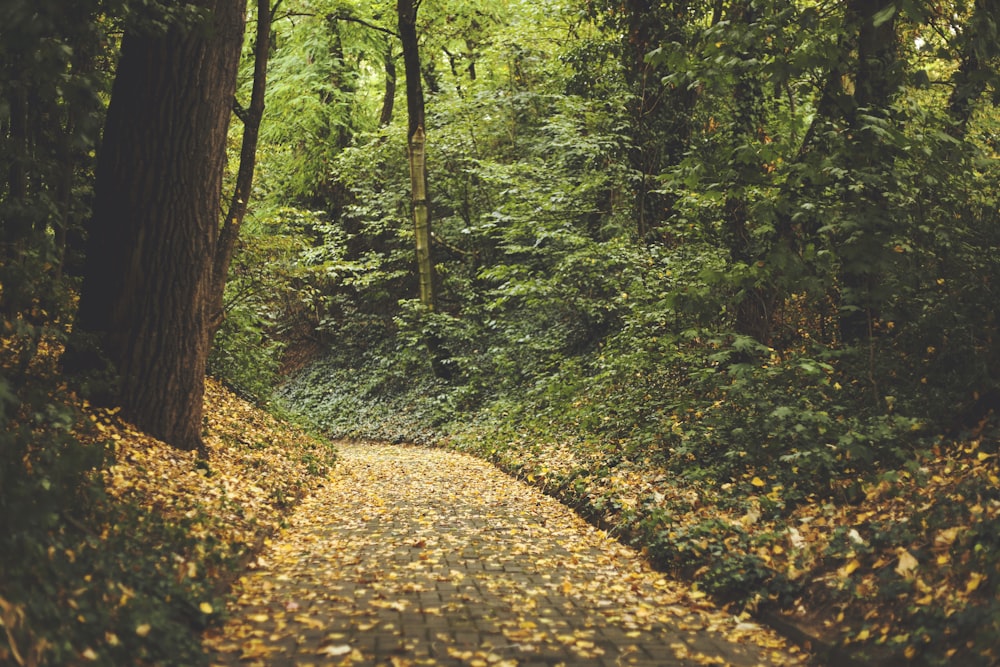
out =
column 413, row 556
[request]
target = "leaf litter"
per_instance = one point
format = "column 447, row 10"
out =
column 414, row 556
column 904, row 572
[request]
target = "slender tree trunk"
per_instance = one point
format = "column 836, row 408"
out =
column 421, row 217
column 753, row 310
column 148, row 281
column 251, row 117
column 661, row 116
column 18, row 224
column 644, row 155
column 389, row 98
column 416, row 144
column 875, row 85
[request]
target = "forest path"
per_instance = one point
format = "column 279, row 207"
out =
column 414, row 556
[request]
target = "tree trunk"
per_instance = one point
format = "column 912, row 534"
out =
column 251, row 117
column 389, row 98
column 661, row 116
column 416, row 145
column 148, row 279
column 18, row 224
column 416, row 138
column 875, row 84
column 421, row 217
column 752, row 313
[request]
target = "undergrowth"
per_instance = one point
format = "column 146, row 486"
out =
column 772, row 483
column 115, row 548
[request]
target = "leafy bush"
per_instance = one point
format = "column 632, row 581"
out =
column 244, row 354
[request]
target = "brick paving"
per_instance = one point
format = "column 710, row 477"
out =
column 413, row 556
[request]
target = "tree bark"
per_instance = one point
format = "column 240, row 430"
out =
column 251, row 117
column 875, row 85
column 16, row 227
column 416, row 147
column 753, row 311
column 661, row 116
column 147, row 288
column 389, row 98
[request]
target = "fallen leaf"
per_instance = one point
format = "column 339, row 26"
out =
column 907, row 563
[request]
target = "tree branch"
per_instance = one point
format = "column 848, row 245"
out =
column 360, row 21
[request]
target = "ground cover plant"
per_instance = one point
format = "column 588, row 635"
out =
column 116, row 547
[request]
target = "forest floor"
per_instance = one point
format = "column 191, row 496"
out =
column 408, row 556
column 417, row 556
column 898, row 569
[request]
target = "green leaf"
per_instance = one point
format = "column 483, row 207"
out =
column 884, row 15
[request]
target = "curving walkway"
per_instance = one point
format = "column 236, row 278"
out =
column 413, row 556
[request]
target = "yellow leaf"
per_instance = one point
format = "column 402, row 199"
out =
column 974, row 580
column 907, row 563
column 143, row 630
column 90, row 654
column 757, row 481
column 863, row 635
column 205, row 608
column 310, row 622
column 946, row 538
column 850, row 567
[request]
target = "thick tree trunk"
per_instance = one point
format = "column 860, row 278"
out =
column 148, row 281
column 251, row 117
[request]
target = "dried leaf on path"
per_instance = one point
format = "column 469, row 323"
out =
column 426, row 556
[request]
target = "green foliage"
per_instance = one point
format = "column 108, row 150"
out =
column 376, row 396
column 748, row 256
column 244, row 355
